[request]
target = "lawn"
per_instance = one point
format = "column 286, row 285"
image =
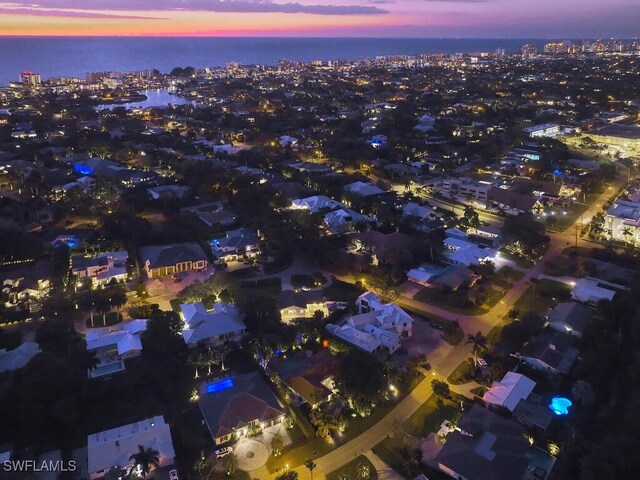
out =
column 560, row 221
column 342, row 291
column 267, row 286
column 299, row 281
column 429, row 416
column 560, row 266
column 519, row 260
column 456, row 302
column 108, row 320
column 350, row 470
column 463, row 373
column 531, row 300
column 555, row 290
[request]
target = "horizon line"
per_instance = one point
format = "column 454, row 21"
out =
column 2, row 35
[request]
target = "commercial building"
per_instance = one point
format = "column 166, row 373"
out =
column 30, row 78
column 544, row 130
column 622, row 221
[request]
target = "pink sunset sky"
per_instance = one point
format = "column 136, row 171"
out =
column 374, row 18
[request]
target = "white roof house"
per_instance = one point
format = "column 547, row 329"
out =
column 114, row 447
column 342, row 220
column 462, row 252
column 315, row 203
column 18, row 357
column 376, row 324
column 593, row 290
column 509, row 391
column 126, row 340
column 412, row 209
column 222, row 324
column 364, row 189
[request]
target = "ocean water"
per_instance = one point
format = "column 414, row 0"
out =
column 73, row 56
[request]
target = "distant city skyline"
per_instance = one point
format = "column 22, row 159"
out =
column 374, row 18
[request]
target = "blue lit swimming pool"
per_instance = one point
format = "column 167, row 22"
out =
column 560, row 405
column 219, row 386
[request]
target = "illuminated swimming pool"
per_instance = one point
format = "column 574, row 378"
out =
column 219, row 386
column 560, row 405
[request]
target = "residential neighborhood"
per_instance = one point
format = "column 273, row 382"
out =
column 400, row 267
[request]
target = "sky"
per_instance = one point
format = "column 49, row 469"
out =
column 371, row 18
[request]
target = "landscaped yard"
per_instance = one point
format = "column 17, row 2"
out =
column 531, row 300
column 342, row 291
column 350, row 470
column 456, row 302
column 303, row 281
column 430, row 416
column 463, row 373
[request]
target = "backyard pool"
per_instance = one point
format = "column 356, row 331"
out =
column 560, row 405
column 219, row 386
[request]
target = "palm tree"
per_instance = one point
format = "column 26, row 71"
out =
column 626, row 233
column 220, row 352
column 479, row 343
column 363, row 471
column 195, row 359
column 144, row 459
column 276, row 445
column 208, row 359
column 310, row 464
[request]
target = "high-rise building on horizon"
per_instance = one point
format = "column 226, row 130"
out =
column 30, row 78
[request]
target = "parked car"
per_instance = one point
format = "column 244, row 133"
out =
column 223, row 452
column 173, row 474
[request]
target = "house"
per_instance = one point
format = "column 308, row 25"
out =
column 161, row 260
column 593, row 290
column 297, row 305
column 363, row 189
column 514, row 203
column 17, row 358
column 375, row 326
column 549, row 351
column 384, row 247
column 238, row 405
column 213, row 327
column 102, row 268
column 421, row 212
column 509, row 391
column 315, row 203
column 533, row 413
column 29, row 285
column 486, row 446
column 569, row 317
column 113, row 347
column 236, row 245
column 307, row 374
column 84, row 183
column 114, row 447
column 462, row 252
column 424, row 274
column 168, row 192
column 342, row 220
column 286, row 140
